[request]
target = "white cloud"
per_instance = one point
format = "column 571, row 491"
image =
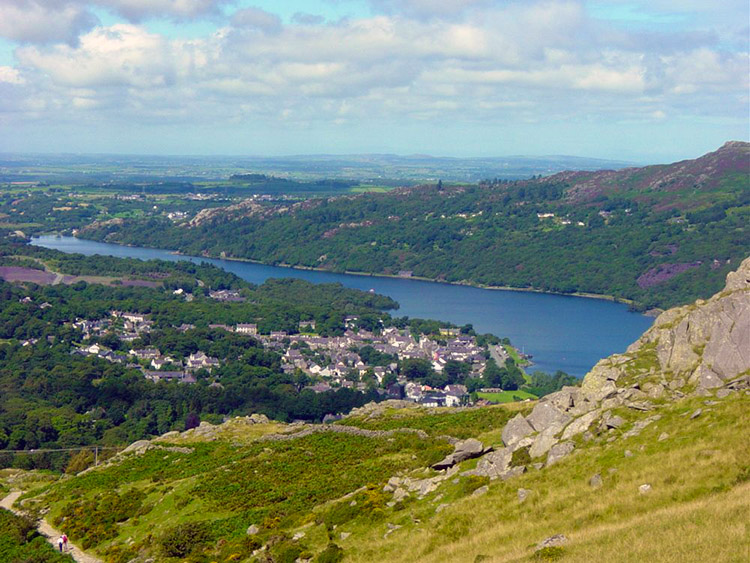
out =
column 255, row 18
column 11, row 75
column 39, row 21
column 137, row 10
column 524, row 62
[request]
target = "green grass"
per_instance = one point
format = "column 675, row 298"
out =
column 19, row 542
column 326, row 484
column 699, row 476
column 507, row 396
column 435, row 422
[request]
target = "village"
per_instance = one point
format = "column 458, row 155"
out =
column 357, row 359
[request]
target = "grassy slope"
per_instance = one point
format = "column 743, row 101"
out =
column 697, row 510
column 699, row 476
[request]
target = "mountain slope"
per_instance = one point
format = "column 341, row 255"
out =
column 639, row 463
column 660, row 235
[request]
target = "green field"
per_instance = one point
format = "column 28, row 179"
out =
column 507, row 396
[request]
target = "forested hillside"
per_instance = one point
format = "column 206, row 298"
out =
column 659, row 235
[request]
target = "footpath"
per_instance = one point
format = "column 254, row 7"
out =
column 46, row 530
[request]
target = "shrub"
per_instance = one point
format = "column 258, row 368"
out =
column 520, row 457
column 82, row 460
column 472, row 483
column 182, row 540
column 331, row 554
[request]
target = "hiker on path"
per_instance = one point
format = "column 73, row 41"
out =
column 65, row 541
column 60, row 543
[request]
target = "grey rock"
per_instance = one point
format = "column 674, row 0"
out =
column 400, row 494
column 696, row 414
column 655, row 391
column 628, row 453
column 513, row 472
column 614, row 422
column 252, row 530
column 467, row 449
column 345, row 535
column 523, row 494
column 523, row 443
column 298, row 536
column 515, row 430
column 706, row 378
column 644, row 489
column 558, row 540
column 676, row 384
column 543, row 443
column 546, row 416
column 596, row 481
column 579, row 425
column 663, row 436
column 494, row 464
column 480, row 491
column 559, row 451
column 442, row 507
column 723, row 393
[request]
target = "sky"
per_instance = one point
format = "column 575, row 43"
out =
column 640, row 80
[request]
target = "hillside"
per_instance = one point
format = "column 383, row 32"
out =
column 638, row 464
column 660, row 235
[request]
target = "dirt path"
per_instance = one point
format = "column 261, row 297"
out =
column 49, row 532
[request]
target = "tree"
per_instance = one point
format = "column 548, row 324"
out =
column 192, row 420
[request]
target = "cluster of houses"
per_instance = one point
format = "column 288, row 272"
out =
column 128, row 326
column 331, row 361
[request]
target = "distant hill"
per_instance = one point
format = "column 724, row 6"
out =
column 657, row 235
column 646, row 461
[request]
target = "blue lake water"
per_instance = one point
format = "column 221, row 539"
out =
column 561, row 332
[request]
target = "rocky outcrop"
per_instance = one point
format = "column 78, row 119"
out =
column 468, row 449
column 516, row 430
column 703, row 345
column 690, row 349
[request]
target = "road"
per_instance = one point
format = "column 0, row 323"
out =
column 50, row 533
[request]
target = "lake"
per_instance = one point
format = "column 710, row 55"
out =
column 560, row 332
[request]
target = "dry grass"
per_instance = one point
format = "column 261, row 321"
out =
column 698, row 509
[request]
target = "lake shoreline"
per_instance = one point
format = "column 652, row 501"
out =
column 463, row 283
column 562, row 334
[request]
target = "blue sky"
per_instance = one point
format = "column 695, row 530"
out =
column 652, row 81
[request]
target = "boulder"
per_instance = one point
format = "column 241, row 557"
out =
column 580, row 424
column 523, row 494
column 480, row 491
column 543, row 443
column 613, row 422
column 516, row 430
column 557, row 540
column 494, row 464
column 559, row 451
column 468, row 449
column 546, row 416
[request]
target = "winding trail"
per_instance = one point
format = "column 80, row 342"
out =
column 50, row 533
